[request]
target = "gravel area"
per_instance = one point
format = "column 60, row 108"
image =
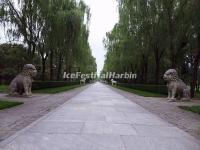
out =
column 185, row 120
column 16, row 118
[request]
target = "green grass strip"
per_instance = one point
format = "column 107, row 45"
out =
column 7, row 104
column 140, row 93
column 195, row 109
column 3, row 88
column 56, row 90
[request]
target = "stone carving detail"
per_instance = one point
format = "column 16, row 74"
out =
column 176, row 87
column 22, row 83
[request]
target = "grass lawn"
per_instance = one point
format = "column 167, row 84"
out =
column 195, row 109
column 140, row 93
column 5, row 104
column 56, row 90
column 3, row 88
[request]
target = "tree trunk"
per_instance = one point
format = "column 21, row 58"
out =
column 145, row 68
column 171, row 46
column 145, row 71
column 194, row 78
column 69, row 71
column 197, row 86
column 43, row 68
column 132, row 68
column 157, row 81
column 132, row 71
column 142, row 73
column 59, row 67
column 157, row 69
column 29, row 52
column 195, row 68
column 173, row 58
column 51, row 65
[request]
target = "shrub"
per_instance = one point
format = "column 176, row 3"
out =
column 51, row 84
column 161, row 89
column 7, row 74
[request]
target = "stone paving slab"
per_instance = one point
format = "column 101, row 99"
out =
column 183, row 119
column 100, row 119
column 16, row 118
column 158, row 143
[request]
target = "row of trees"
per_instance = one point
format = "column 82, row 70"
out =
column 54, row 35
column 153, row 36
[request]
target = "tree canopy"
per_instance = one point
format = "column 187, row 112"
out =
column 153, row 36
column 54, row 34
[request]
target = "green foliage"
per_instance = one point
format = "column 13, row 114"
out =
column 159, row 89
column 8, row 104
column 44, row 85
column 55, row 33
column 153, row 36
column 140, row 92
column 195, row 109
column 56, row 89
column 12, row 59
column 51, row 84
column 4, row 88
column 12, row 54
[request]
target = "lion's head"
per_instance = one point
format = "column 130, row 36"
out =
column 171, row 75
column 29, row 70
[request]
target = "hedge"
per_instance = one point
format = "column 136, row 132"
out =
column 51, row 84
column 161, row 89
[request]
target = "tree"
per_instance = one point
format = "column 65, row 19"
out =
column 165, row 33
column 12, row 59
column 55, row 33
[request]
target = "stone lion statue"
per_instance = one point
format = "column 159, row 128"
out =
column 22, row 83
column 176, row 87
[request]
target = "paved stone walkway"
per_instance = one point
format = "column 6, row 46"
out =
column 185, row 120
column 100, row 119
column 15, row 119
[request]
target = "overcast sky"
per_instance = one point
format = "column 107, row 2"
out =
column 2, row 35
column 104, row 15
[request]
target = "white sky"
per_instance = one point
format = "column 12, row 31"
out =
column 2, row 35
column 104, row 15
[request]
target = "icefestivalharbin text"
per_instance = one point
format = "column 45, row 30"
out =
column 108, row 75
